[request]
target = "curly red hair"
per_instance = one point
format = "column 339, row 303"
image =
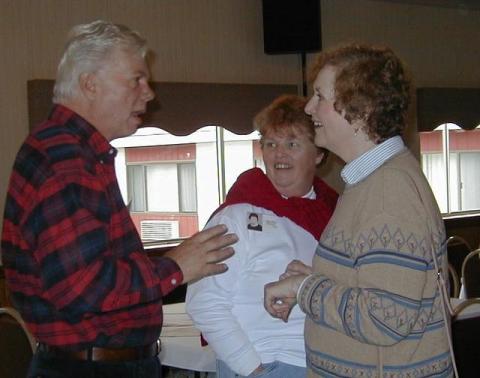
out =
column 371, row 85
column 285, row 114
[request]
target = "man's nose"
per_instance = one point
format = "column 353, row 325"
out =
column 148, row 93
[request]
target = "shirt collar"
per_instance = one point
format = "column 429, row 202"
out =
column 309, row 195
column 104, row 151
column 370, row 161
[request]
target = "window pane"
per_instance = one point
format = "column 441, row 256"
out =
column 460, row 149
column 433, row 165
column 470, row 180
column 136, row 188
column 207, row 174
column 188, row 187
column 464, row 148
column 162, row 187
column 434, row 169
column 454, row 184
column 240, row 155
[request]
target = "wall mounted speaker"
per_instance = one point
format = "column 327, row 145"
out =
column 291, row 26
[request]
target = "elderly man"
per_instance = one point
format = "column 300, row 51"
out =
column 73, row 260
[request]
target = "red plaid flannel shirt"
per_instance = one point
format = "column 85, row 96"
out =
column 73, row 260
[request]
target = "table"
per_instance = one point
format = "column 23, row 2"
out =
column 181, row 342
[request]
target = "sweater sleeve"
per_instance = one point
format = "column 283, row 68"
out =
column 391, row 292
column 209, row 303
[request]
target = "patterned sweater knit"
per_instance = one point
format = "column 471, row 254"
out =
column 372, row 305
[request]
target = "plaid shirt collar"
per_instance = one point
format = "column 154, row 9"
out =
column 86, row 132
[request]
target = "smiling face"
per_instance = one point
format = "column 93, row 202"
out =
column 118, row 94
column 290, row 161
column 332, row 130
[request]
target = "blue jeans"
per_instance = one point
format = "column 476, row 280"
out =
column 44, row 365
column 275, row 369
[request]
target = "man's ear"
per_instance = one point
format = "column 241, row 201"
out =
column 87, row 83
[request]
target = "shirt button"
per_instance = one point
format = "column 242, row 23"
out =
column 101, row 161
column 173, row 281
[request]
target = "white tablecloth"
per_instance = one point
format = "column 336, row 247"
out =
column 472, row 311
column 181, row 346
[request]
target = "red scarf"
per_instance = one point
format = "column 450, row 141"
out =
column 255, row 188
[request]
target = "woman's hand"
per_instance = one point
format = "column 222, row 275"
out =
column 281, row 296
column 258, row 370
column 296, row 267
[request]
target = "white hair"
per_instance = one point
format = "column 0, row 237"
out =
column 88, row 45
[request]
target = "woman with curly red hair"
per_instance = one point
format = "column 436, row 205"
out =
column 371, row 301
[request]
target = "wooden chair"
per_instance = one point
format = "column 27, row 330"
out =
column 471, row 274
column 16, row 344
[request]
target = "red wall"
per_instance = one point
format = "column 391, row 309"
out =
column 161, row 153
column 461, row 140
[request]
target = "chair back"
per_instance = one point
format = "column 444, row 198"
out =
column 471, row 274
column 457, row 249
column 453, row 281
column 16, row 344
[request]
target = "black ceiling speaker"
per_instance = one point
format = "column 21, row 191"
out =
column 291, row 26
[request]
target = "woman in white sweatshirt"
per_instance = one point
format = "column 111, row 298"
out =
column 291, row 207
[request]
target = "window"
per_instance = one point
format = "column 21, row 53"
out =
column 176, row 182
column 162, row 187
column 451, row 162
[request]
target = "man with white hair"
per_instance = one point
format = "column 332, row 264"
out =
column 74, row 262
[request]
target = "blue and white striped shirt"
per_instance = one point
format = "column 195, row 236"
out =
column 370, row 161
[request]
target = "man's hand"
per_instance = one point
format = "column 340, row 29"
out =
column 281, row 296
column 200, row 255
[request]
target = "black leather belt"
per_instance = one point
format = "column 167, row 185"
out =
column 103, row 354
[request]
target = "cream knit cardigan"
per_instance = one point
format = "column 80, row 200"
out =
column 372, row 306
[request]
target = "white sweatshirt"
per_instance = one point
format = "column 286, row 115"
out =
column 228, row 308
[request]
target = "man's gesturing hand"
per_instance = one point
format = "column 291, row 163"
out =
column 201, row 255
